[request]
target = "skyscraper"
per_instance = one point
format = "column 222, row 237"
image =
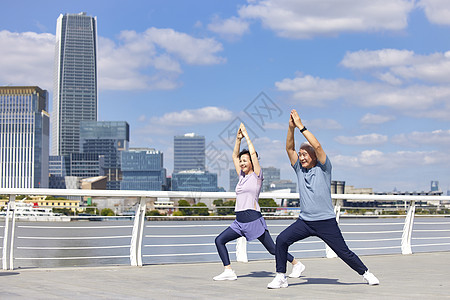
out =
column 75, row 80
column 189, row 153
column 24, row 137
column 106, row 138
column 142, row 169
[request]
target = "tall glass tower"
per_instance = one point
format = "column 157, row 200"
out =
column 189, row 152
column 75, row 80
column 24, row 137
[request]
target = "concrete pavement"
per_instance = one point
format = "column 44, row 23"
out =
column 416, row 276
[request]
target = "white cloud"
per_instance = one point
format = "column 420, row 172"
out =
column 27, row 59
column 423, row 139
column 413, row 100
column 317, row 124
column 231, row 28
column 374, row 160
column 305, row 19
column 388, row 78
column 191, row 50
column 375, row 119
column 169, row 123
column 150, row 60
column 401, row 63
column 362, row 140
column 437, row 11
column 204, row 115
column 271, row 152
column 364, row 59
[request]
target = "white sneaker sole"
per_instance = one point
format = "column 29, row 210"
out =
column 277, row 287
column 223, row 279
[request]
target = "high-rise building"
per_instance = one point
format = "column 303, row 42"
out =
column 197, row 181
column 75, row 80
column 108, row 139
column 58, row 169
column 270, row 174
column 434, row 186
column 67, row 170
column 189, row 153
column 234, row 179
column 285, row 184
column 84, row 165
column 142, row 169
column 24, row 137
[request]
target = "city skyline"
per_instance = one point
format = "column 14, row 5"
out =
column 369, row 79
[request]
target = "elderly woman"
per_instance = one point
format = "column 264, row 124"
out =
column 317, row 217
column 249, row 222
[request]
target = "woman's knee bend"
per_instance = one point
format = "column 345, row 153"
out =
column 219, row 241
column 281, row 240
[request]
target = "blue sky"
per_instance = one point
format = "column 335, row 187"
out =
column 369, row 78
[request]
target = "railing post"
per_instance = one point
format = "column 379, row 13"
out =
column 407, row 229
column 138, row 231
column 7, row 238
column 337, row 210
column 241, row 249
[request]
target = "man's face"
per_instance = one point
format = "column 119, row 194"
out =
column 306, row 160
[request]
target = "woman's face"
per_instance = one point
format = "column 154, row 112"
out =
column 306, row 160
column 245, row 163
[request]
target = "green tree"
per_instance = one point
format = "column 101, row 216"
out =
column 177, row 213
column 185, row 211
column 224, row 208
column 63, row 211
column 267, row 203
column 153, row 212
column 218, row 202
column 107, row 212
column 200, row 211
column 92, row 209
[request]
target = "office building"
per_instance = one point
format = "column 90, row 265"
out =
column 58, row 169
column 75, row 80
column 234, row 179
column 196, row 181
column 84, row 165
column 434, row 186
column 24, row 137
column 271, row 174
column 142, row 169
column 284, row 184
column 107, row 139
column 189, row 153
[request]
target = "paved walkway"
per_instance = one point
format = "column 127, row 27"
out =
column 417, row 276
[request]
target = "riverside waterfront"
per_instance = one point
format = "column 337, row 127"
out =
column 52, row 244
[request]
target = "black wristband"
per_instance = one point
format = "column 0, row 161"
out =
column 303, row 129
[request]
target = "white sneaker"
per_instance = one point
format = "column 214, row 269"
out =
column 228, row 274
column 370, row 278
column 280, row 281
column 297, row 270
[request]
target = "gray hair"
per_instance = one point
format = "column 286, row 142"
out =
column 308, row 148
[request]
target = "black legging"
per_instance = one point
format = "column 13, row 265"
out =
column 328, row 231
column 229, row 235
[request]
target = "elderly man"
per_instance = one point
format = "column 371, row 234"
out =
column 317, row 217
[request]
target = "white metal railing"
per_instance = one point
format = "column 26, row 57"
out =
column 136, row 237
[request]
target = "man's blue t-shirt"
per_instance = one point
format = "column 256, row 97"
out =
column 314, row 186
